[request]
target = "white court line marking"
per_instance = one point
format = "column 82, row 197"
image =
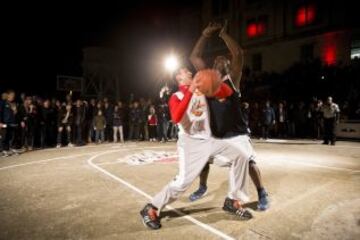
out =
column 276, row 161
column 75, row 155
column 139, row 191
column 299, row 143
column 48, row 160
column 119, row 145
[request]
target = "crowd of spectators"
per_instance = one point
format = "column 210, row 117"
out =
column 28, row 122
column 32, row 122
column 287, row 120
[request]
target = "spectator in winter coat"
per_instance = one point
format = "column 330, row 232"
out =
column 90, row 114
column 99, row 127
column 268, row 119
column 281, row 119
column 65, row 121
column 135, row 119
column 163, row 121
column 118, row 124
column 331, row 115
column 152, row 123
column 108, row 114
column 79, row 120
column 8, row 119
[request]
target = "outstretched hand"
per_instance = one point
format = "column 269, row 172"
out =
column 211, row 28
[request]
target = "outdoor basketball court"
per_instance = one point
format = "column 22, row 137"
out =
column 97, row 191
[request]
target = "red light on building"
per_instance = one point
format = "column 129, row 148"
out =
column 251, row 30
column 305, row 15
column 255, row 29
column 329, row 55
column 301, row 16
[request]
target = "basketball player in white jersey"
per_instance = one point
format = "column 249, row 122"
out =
column 189, row 109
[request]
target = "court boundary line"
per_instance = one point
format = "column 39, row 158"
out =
column 92, row 145
column 139, row 191
column 292, row 162
column 73, row 156
column 47, row 160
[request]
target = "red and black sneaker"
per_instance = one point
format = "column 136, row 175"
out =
column 234, row 207
column 149, row 217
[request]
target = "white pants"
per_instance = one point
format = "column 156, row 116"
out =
column 243, row 144
column 118, row 129
column 193, row 155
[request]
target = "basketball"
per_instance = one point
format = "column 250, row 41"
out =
column 208, row 81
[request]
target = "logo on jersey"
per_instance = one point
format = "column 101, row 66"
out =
column 197, row 108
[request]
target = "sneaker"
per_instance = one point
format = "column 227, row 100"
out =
column 149, row 217
column 58, row 146
column 5, row 154
column 14, row 152
column 234, row 207
column 198, row 193
column 70, row 145
column 263, row 203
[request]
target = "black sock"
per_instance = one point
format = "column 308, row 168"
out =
column 259, row 190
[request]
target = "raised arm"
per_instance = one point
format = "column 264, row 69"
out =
column 196, row 54
column 237, row 56
column 178, row 106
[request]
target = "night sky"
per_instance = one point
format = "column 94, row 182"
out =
column 40, row 41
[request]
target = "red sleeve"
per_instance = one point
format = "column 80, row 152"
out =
column 223, row 91
column 178, row 107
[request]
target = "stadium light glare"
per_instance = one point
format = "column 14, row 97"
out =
column 171, row 63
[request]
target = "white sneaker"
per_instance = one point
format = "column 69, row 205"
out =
column 58, row 146
column 5, row 154
column 14, row 152
column 70, row 145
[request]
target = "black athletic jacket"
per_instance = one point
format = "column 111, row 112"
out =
column 226, row 116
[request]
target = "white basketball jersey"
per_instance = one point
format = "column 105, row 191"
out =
column 195, row 121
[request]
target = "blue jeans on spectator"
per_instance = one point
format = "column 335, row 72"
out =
column 99, row 134
column 163, row 130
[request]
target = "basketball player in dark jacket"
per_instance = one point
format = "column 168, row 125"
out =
column 226, row 118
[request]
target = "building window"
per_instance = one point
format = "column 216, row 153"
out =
column 256, row 27
column 329, row 54
column 220, row 7
column 257, row 62
column 305, row 15
column 307, row 52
